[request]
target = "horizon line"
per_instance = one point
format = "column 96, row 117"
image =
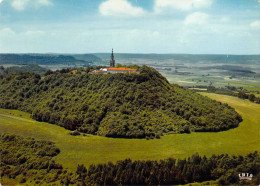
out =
column 52, row 53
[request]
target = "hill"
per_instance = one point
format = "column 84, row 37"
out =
column 87, row 57
column 77, row 148
column 115, row 105
column 46, row 59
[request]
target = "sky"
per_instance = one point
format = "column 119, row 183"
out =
column 130, row 26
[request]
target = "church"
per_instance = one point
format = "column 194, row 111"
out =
column 112, row 69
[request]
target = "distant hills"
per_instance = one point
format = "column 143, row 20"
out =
column 187, row 58
column 103, row 58
column 87, row 57
column 47, row 59
column 141, row 105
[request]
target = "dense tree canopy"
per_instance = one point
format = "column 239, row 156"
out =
column 115, row 105
column 30, row 161
column 26, row 159
column 223, row 168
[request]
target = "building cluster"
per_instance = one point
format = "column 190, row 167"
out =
column 112, row 69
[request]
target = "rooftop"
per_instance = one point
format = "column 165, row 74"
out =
column 122, row 69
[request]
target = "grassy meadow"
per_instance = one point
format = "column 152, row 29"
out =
column 95, row 149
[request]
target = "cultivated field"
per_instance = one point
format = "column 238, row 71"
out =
column 95, row 149
column 199, row 70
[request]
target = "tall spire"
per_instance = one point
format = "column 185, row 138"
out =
column 112, row 61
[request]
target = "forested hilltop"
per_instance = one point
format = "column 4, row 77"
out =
column 115, row 105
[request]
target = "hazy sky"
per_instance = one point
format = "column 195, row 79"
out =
column 131, row 26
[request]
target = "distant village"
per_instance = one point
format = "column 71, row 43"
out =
column 112, row 69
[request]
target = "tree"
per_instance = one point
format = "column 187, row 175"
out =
column 251, row 97
column 81, row 171
column 242, row 95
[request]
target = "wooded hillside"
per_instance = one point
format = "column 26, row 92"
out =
column 115, row 105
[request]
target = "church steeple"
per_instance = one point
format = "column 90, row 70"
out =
column 112, row 61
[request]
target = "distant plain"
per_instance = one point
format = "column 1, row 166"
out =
column 201, row 70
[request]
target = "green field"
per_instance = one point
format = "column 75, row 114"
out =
column 95, row 149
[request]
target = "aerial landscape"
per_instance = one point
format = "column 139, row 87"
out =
column 130, row 92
